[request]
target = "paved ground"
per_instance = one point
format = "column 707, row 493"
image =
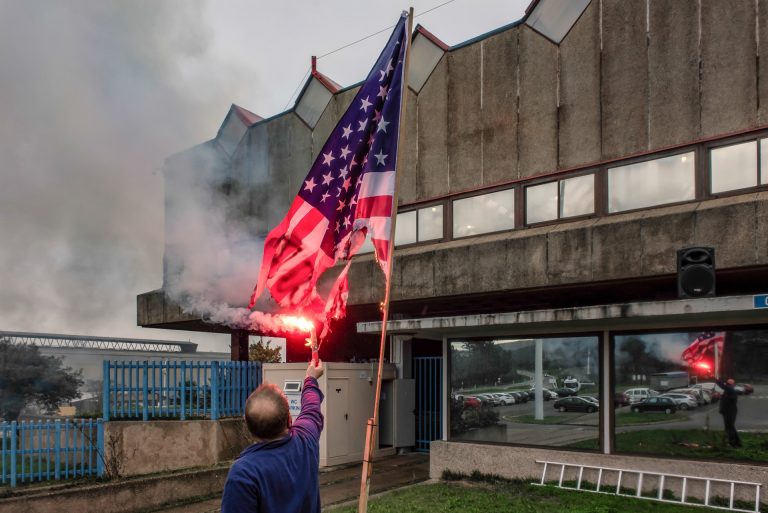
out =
column 342, row 484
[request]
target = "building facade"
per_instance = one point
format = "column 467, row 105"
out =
column 552, row 171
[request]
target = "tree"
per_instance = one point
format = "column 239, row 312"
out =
column 27, row 377
column 261, row 352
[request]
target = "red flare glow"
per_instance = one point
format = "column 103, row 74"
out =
column 703, row 366
column 298, row 323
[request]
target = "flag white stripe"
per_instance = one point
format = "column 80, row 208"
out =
column 377, row 184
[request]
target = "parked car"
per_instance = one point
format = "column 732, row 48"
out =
column 505, row 399
column 522, row 397
column 472, row 402
column 655, row 403
column 711, row 388
column 566, row 392
column 575, row 403
column 590, row 398
column 487, row 399
column 547, row 393
column 620, row 399
column 682, row 401
column 701, row 398
column 639, row 394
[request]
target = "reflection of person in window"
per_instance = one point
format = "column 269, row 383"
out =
column 728, row 410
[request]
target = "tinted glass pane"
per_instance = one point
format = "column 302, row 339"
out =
column 405, row 231
column 734, row 167
column 313, row 102
column 431, row 223
column 655, row 182
column 577, row 196
column 541, row 203
column 494, row 396
column 554, row 18
column 653, row 368
column 482, row 214
column 764, row 161
column 424, row 57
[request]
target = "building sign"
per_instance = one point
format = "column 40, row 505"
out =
column 761, row 301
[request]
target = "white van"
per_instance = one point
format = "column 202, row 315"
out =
column 636, row 395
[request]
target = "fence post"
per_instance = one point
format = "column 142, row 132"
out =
column 57, row 457
column 100, row 454
column 145, row 391
column 183, row 390
column 214, row 390
column 105, row 391
column 13, row 454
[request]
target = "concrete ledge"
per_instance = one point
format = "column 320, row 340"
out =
column 119, row 496
column 520, row 463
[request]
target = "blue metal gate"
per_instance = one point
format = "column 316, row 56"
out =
column 428, row 371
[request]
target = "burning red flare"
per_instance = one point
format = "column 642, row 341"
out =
column 703, row 366
column 298, row 323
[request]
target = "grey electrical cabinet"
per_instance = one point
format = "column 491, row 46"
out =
column 349, row 390
column 397, row 413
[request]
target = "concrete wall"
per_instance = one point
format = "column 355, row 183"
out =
column 629, row 77
column 520, row 463
column 160, row 446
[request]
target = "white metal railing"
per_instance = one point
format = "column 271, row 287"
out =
column 662, row 477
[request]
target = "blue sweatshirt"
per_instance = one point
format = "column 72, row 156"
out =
column 281, row 475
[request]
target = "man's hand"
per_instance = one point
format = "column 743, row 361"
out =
column 315, row 371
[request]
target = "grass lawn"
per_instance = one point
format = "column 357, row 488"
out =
column 505, row 496
column 628, row 418
column 688, row 443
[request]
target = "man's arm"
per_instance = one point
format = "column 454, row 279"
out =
column 310, row 420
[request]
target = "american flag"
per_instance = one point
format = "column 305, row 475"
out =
column 702, row 345
column 347, row 194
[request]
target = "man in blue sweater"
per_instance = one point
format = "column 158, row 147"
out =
column 279, row 472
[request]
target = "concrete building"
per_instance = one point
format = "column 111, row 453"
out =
column 552, row 170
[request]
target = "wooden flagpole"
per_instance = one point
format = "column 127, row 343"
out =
column 370, row 431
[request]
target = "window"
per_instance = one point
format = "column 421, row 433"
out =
column 494, row 396
column 414, row 226
column 425, row 55
column 650, row 183
column 313, row 102
column 485, row 213
column 565, row 198
column 764, row 161
column 430, row 223
column 733, row 167
column 669, row 407
column 405, row 230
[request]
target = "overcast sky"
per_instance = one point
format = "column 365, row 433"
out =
column 95, row 94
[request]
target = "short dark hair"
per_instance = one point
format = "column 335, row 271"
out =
column 266, row 412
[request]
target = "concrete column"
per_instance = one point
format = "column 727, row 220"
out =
column 607, row 411
column 538, row 379
column 239, row 345
column 446, row 387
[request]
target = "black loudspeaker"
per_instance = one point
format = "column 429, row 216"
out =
column 695, row 272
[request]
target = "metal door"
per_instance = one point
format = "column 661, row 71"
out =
column 428, row 371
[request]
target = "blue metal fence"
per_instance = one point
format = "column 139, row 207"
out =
column 177, row 389
column 45, row 450
column 429, row 400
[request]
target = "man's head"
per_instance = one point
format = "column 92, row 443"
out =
column 266, row 413
column 731, row 381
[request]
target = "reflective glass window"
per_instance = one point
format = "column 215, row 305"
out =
column 577, row 196
column 669, row 403
column 541, row 203
column 654, row 182
column 430, row 223
column 733, row 167
column 764, row 161
column 486, row 213
column 505, row 390
column 313, row 102
column 405, row 231
column 424, row 57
